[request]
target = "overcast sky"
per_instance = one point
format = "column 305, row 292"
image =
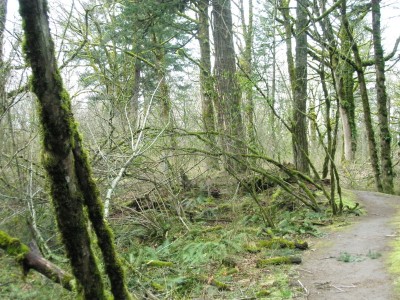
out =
column 390, row 19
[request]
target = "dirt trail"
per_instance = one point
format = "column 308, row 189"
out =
column 326, row 278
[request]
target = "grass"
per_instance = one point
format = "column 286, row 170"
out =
column 394, row 257
column 13, row 285
column 347, row 257
column 207, row 255
column 373, row 254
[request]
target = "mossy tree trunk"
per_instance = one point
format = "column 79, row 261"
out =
column 167, row 116
column 344, row 73
column 3, row 14
column 382, row 101
column 31, row 259
column 3, row 73
column 228, row 102
column 71, row 182
column 206, row 80
column 284, row 9
column 246, row 62
column 297, row 67
column 299, row 133
column 373, row 152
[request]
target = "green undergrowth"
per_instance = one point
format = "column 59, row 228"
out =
column 394, row 257
column 13, row 285
column 208, row 248
column 213, row 250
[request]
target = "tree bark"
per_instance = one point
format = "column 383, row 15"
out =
column 3, row 96
column 342, row 73
column 31, row 259
column 344, row 79
column 206, row 81
column 284, row 9
column 382, row 101
column 71, row 183
column 228, row 102
column 364, row 99
column 247, row 67
column 299, row 134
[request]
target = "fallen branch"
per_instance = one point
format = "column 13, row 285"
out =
column 214, row 282
column 31, row 259
column 278, row 260
column 283, row 243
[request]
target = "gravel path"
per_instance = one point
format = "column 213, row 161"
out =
column 324, row 277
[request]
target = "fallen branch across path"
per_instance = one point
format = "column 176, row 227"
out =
column 32, row 259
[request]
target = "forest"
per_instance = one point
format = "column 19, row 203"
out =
column 189, row 149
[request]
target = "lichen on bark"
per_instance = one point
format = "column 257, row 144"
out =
column 72, row 187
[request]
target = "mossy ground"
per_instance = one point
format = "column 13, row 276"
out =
column 34, row 286
column 206, row 252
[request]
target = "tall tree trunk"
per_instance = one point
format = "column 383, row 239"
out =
column 299, row 134
column 134, row 101
column 206, row 80
column 228, row 102
column 247, row 68
column 167, row 116
column 342, row 72
column 284, row 8
column 71, row 183
column 382, row 100
column 3, row 15
column 344, row 79
column 364, row 99
column 276, row 153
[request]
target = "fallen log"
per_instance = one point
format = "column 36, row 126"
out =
column 32, row 259
column 283, row 243
column 278, row 260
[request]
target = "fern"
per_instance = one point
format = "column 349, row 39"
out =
column 197, row 253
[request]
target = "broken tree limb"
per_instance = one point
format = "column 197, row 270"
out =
column 278, row 260
column 31, row 259
column 283, row 243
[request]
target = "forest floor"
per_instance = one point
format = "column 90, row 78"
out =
column 349, row 256
column 353, row 263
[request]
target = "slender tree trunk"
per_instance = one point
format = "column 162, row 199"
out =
column 342, row 73
column 247, row 67
column 328, row 123
column 55, row 115
column 373, row 152
column 71, row 183
column 284, row 8
column 136, row 91
column 298, row 81
column 299, row 134
column 344, row 77
column 382, row 100
column 206, row 81
column 228, row 102
column 276, row 153
column 167, row 116
column 3, row 15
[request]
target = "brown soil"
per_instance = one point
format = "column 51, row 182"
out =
column 323, row 276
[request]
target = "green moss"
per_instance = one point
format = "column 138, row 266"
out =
column 232, row 271
column 13, row 246
column 282, row 243
column 263, row 293
column 158, row 287
column 279, row 260
column 394, row 257
column 251, row 247
column 211, row 229
column 214, row 282
column 159, row 263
